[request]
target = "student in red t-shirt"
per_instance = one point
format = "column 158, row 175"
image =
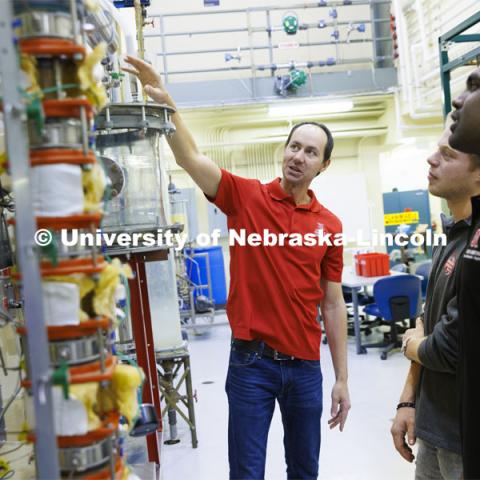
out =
column 274, row 294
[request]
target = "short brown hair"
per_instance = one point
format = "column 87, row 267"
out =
column 327, row 153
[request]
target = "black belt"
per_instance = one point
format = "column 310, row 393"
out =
column 261, row 348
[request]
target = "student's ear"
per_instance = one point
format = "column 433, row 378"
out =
column 324, row 166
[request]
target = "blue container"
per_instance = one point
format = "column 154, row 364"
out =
column 197, row 271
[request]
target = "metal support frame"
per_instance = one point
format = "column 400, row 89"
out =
column 446, row 65
column 145, row 349
column 168, row 368
column 46, row 456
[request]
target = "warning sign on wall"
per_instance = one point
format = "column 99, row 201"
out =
column 401, row 218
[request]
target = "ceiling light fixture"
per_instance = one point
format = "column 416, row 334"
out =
column 300, row 109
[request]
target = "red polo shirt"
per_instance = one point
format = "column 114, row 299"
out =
column 275, row 290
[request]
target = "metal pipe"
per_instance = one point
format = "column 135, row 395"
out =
column 279, row 66
column 57, row 71
column 252, row 59
column 269, row 35
column 38, row 361
column 73, row 12
column 164, row 48
column 139, row 25
column 374, row 34
column 286, row 7
column 266, row 47
column 199, row 32
column 84, row 122
column 423, row 30
column 259, row 29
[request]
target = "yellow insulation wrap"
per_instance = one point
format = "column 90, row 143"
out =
column 97, row 297
column 87, row 394
column 29, row 65
column 104, row 298
column 93, row 188
column 3, row 163
column 121, row 394
column 94, row 90
column 92, row 5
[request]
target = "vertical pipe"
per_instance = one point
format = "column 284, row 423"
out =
column 73, row 12
column 139, row 25
column 252, row 60
column 164, row 48
column 374, row 35
column 57, row 72
column 84, row 122
column 270, row 45
column 38, row 360
column 445, row 78
column 423, row 30
column 3, row 436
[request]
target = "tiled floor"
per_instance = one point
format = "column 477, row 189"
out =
column 364, row 451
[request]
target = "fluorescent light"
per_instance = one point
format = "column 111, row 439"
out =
column 300, row 109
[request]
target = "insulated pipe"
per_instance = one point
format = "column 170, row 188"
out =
column 423, row 31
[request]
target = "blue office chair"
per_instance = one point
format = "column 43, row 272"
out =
column 363, row 299
column 424, row 270
column 397, row 298
column 399, row 267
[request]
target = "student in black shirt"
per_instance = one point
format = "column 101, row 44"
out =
column 466, row 137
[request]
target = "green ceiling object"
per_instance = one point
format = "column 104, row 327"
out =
column 298, row 78
column 290, row 23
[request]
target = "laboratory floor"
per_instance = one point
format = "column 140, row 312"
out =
column 364, row 451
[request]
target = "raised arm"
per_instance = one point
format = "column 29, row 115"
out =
column 204, row 172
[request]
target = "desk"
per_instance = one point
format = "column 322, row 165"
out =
column 355, row 283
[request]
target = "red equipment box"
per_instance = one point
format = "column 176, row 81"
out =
column 372, row 264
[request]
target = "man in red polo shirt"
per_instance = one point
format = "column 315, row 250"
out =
column 274, row 294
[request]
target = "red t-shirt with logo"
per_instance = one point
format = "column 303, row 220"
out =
column 275, row 290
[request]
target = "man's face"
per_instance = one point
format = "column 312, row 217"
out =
column 451, row 175
column 466, row 127
column 303, row 156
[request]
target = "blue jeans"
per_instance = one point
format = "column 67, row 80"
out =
column 253, row 384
